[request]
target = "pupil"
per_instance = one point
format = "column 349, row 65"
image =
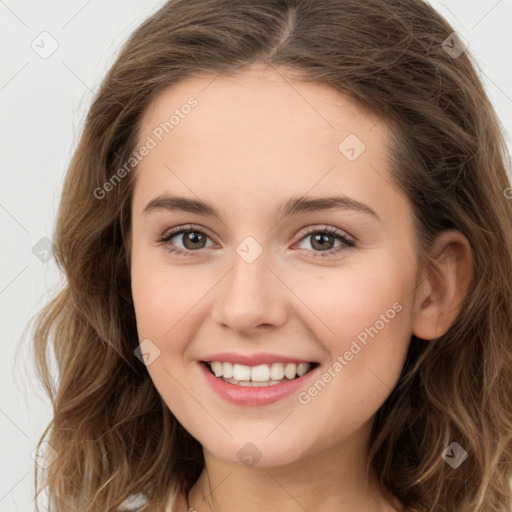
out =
column 193, row 237
column 318, row 239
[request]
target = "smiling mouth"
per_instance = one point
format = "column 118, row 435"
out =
column 260, row 375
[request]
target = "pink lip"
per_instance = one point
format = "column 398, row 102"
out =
column 245, row 395
column 252, row 360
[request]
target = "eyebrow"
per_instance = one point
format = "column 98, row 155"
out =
column 293, row 206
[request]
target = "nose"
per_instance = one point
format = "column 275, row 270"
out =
column 251, row 297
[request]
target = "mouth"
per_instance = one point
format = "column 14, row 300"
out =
column 262, row 375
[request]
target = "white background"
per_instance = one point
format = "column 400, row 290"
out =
column 43, row 103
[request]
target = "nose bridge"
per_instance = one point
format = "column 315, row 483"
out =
column 250, row 295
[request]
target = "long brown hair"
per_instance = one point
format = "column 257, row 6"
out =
column 113, row 433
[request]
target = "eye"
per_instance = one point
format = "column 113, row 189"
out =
column 194, row 239
column 323, row 240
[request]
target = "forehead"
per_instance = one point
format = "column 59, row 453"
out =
column 261, row 133
column 249, row 100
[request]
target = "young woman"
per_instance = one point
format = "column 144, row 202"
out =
column 286, row 233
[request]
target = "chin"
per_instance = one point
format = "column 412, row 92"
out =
column 243, row 451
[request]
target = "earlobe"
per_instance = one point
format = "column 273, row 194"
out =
column 446, row 284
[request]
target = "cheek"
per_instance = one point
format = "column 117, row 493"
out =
column 152, row 300
column 346, row 302
column 163, row 301
column 362, row 317
column 162, row 295
column 367, row 354
column 369, row 310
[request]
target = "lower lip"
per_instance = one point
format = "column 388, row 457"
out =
column 252, row 395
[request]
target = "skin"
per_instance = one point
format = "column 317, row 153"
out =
column 252, row 142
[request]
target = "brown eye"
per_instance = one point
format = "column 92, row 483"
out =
column 192, row 240
column 322, row 241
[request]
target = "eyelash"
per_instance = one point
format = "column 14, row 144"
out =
column 346, row 243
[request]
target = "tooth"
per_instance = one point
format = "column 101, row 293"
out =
column 263, row 373
column 302, row 368
column 227, row 370
column 217, row 368
column 276, row 371
column 252, row 384
column 290, row 370
column 241, row 372
column 260, row 373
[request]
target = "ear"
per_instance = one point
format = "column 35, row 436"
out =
column 444, row 287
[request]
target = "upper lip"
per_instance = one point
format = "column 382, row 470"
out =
column 253, row 359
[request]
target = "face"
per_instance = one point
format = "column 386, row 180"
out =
column 249, row 278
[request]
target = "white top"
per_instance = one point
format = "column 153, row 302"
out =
column 137, row 503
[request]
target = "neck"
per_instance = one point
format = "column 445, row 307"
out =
column 329, row 481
